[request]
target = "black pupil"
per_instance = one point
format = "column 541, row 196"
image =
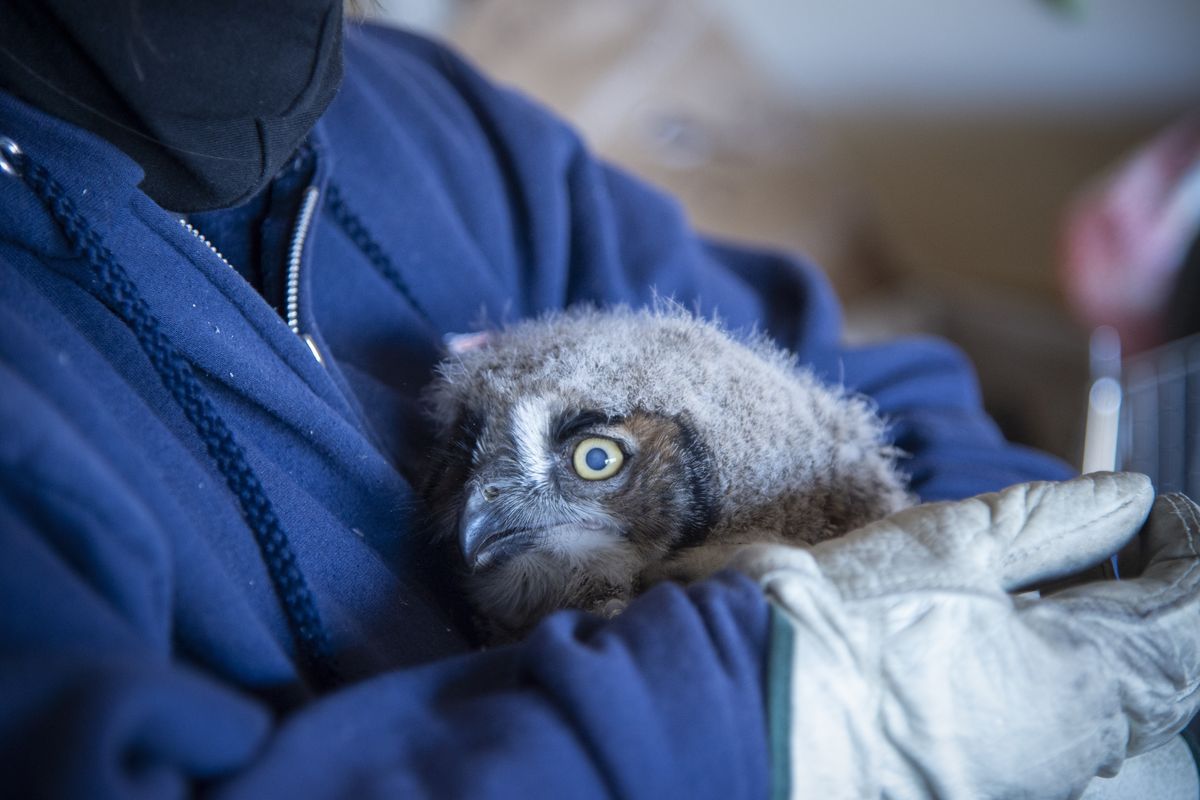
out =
column 596, row 458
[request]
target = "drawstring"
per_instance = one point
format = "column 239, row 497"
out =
column 353, row 227
column 120, row 294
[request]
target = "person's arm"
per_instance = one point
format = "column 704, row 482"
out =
column 667, row 700
column 96, row 700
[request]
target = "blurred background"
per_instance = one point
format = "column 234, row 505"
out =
column 951, row 164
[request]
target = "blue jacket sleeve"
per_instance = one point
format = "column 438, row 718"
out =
column 95, row 703
column 588, row 232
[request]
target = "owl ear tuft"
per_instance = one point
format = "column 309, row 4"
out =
column 459, row 343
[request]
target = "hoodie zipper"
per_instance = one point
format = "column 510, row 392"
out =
column 308, row 208
column 192, row 230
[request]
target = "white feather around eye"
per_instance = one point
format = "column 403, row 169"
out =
column 530, row 422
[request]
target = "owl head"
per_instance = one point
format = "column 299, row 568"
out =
column 587, row 454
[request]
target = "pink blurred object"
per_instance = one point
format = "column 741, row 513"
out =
column 1125, row 237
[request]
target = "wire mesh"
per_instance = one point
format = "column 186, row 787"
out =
column 1159, row 427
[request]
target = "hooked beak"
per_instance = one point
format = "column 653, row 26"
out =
column 487, row 532
column 484, row 533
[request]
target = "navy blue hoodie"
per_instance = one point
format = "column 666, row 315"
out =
column 212, row 577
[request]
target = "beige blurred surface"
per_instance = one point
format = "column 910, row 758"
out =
column 924, row 169
column 659, row 88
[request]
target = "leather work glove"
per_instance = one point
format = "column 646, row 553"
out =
column 902, row 667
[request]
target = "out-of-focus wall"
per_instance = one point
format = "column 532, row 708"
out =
column 1101, row 58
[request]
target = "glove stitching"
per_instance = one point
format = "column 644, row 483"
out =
column 1173, row 499
column 1012, row 556
column 1189, row 527
column 1149, row 606
column 921, row 591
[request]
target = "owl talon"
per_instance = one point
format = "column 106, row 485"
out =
column 612, row 607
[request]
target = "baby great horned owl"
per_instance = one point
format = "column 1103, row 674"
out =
column 586, row 455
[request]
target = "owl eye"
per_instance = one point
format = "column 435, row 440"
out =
column 596, row 459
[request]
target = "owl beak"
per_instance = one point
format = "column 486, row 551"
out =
column 482, row 531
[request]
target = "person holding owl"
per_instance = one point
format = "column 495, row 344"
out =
column 226, row 270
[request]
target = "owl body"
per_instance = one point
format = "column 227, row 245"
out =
column 587, row 454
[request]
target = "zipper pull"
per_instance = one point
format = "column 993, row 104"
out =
column 312, row 348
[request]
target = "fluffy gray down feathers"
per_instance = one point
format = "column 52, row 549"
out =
column 792, row 459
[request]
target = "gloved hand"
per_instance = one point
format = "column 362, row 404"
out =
column 902, row 667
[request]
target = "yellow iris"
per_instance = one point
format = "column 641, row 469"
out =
column 596, row 459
